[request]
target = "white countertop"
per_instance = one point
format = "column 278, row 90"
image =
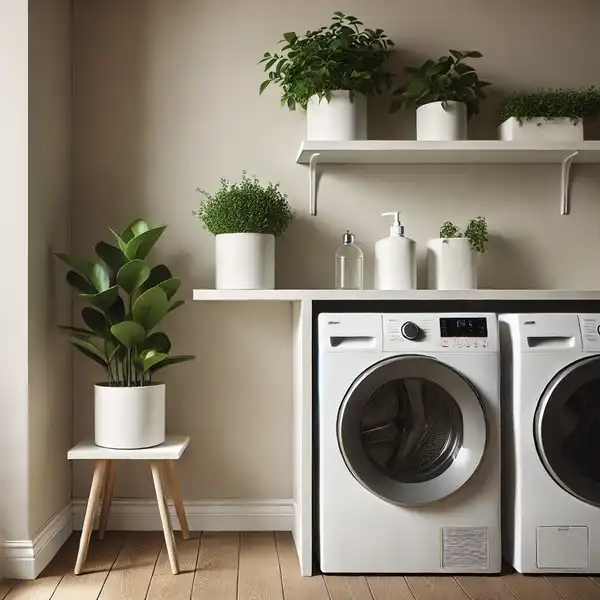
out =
column 472, row 295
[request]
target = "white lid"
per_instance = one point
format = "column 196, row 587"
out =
column 396, row 229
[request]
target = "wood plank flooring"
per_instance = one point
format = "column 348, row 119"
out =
column 256, row 566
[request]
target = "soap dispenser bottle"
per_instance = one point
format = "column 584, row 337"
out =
column 395, row 259
column 349, row 264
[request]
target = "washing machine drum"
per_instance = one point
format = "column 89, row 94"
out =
column 412, row 430
column 567, row 429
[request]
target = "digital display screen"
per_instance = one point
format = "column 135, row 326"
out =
column 463, row 327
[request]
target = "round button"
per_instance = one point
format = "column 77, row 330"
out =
column 410, row 330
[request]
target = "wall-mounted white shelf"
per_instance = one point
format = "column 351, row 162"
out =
column 312, row 295
column 462, row 152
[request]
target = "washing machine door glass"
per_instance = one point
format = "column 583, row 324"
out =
column 567, row 429
column 412, row 430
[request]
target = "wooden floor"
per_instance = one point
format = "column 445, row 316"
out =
column 256, row 566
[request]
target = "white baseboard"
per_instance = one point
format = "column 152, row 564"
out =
column 203, row 515
column 26, row 559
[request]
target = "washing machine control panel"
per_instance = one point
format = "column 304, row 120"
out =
column 475, row 332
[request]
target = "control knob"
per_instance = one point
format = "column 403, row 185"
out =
column 410, row 330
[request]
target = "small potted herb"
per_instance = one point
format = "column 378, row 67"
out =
column 245, row 217
column 446, row 93
column 453, row 258
column 127, row 300
column 548, row 114
column 329, row 72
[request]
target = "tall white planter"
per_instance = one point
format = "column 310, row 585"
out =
column 436, row 123
column 452, row 264
column 541, row 130
column 339, row 120
column 129, row 417
column 245, row 261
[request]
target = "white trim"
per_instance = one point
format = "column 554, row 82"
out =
column 203, row 515
column 26, row 559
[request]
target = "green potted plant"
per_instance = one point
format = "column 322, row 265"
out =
column 329, row 72
column 446, row 93
column 126, row 301
column 245, row 218
column 453, row 258
column 548, row 114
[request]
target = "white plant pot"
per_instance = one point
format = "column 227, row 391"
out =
column 452, row 264
column 339, row 120
column 245, row 261
column 129, row 417
column 541, row 130
column 436, row 123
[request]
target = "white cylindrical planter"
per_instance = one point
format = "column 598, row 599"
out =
column 436, row 123
column 128, row 418
column 541, row 130
column 339, row 120
column 245, row 261
column 452, row 264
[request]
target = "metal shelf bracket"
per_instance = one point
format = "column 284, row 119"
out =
column 312, row 206
column 564, row 183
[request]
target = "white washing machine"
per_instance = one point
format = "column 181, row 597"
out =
column 409, row 443
column 551, row 409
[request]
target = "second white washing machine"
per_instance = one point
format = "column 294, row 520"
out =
column 408, row 443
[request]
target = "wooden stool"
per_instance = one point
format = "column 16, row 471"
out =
column 160, row 457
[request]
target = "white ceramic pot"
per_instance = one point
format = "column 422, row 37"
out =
column 452, row 264
column 245, row 261
column 339, row 120
column 436, row 123
column 541, row 130
column 129, row 417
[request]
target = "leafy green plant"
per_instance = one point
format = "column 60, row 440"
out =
column 552, row 103
column 245, row 207
column 448, row 79
column 476, row 231
column 341, row 56
column 127, row 301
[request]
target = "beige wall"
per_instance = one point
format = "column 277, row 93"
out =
column 13, row 283
column 50, row 373
column 166, row 100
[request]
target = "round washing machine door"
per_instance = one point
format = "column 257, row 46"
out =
column 567, row 429
column 412, row 430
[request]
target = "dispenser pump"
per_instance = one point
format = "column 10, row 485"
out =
column 396, row 229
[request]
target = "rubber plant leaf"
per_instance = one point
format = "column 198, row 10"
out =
column 116, row 313
column 158, row 274
column 89, row 350
column 80, row 283
column 176, row 305
column 132, row 275
column 151, row 358
column 95, row 320
column 129, row 333
column 170, row 287
column 111, row 255
column 140, row 245
column 158, row 341
column 95, row 273
column 172, row 360
column 79, row 332
column 134, row 229
column 103, row 300
column 120, row 241
column 150, row 308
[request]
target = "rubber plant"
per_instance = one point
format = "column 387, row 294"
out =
column 126, row 302
column 476, row 232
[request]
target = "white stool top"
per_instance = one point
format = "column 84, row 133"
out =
column 172, row 449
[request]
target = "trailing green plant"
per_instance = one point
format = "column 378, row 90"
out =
column 551, row 103
column 476, row 232
column 448, row 79
column 341, row 56
column 127, row 300
column 245, row 207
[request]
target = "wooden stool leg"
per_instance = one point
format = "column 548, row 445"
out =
column 176, row 495
column 164, row 516
column 109, row 488
column 90, row 513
